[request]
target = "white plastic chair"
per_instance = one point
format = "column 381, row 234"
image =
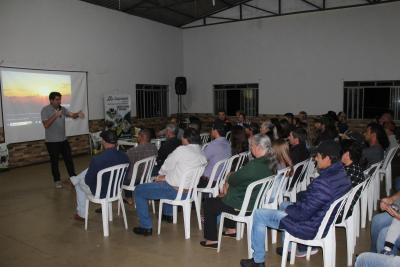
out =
column 146, row 166
column 205, row 137
column 157, row 142
column 212, row 188
column 367, row 194
column 273, row 198
column 351, row 222
column 244, row 217
column 228, row 136
column 184, row 201
column 116, row 178
column 291, row 188
column 386, row 169
column 327, row 243
column 234, row 163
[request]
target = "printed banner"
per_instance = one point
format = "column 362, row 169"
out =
column 118, row 115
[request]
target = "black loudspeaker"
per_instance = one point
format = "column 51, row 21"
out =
column 180, row 85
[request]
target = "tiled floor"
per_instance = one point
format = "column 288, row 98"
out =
column 37, row 229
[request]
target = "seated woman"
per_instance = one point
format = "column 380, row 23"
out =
column 234, row 190
column 280, row 148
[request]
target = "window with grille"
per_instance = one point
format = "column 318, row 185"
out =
column 151, row 100
column 234, row 97
column 369, row 99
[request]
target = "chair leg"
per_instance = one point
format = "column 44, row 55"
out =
column 266, row 238
column 153, row 206
column 186, row 219
column 104, row 214
column 121, row 203
column 221, row 228
column 119, row 207
column 159, row 217
column 285, row 252
column 238, row 230
column 110, row 215
column 308, row 253
column 293, row 253
column 249, row 249
column 388, row 180
column 197, row 204
column 274, row 236
column 174, row 214
column 86, row 213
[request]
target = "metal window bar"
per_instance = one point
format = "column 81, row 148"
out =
column 151, row 101
column 248, row 100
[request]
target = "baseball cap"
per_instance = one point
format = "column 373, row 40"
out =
column 109, row 136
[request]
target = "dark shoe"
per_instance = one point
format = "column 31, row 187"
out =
column 79, row 218
column 204, row 244
column 229, row 235
column 142, row 231
column 251, row 263
column 98, row 210
column 167, row 218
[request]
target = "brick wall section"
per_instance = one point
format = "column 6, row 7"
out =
column 27, row 153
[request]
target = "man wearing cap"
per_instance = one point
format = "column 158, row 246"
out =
column 303, row 218
column 217, row 150
column 85, row 183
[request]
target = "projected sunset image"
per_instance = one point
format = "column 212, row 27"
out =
column 21, row 88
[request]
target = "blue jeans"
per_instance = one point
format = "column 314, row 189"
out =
column 379, row 222
column 263, row 218
column 369, row 259
column 152, row 191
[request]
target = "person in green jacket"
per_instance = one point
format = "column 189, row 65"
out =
column 232, row 197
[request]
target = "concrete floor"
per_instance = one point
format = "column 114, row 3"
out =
column 37, row 229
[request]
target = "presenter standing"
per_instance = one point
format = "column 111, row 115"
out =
column 53, row 119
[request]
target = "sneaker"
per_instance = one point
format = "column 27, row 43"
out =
column 58, row 185
column 387, row 251
column 302, row 254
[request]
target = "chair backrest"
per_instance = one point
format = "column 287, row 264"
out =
column 116, row 178
column 228, row 136
column 194, row 176
column 204, row 138
column 372, row 172
column 298, row 171
column 142, row 170
column 349, row 201
column 264, row 185
column 389, row 156
column 276, row 191
column 204, row 146
column 95, row 143
column 336, row 207
column 218, row 173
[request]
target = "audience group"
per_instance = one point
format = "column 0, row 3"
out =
column 341, row 156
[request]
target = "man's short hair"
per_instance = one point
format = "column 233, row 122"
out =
column 220, row 110
column 354, row 149
column 219, row 127
column 380, row 134
column 146, row 133
column 331, row 149
column 300, row 133
column 192, row 136
column 53, row 95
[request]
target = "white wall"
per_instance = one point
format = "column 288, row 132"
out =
column 300, row 61
column 118, row 50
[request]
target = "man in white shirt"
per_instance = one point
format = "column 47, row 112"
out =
column 184, row 158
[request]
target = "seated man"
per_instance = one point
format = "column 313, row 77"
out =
column 382, row 222
column 217, row 150
column 235, row 190
column 185, row 158
column 221, row 118
column 166, row 147
column 298, row 150
column 86, row 182
column 143, row 150
column 303, row 218
column 377, row 140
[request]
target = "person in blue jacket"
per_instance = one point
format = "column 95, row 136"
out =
column 303, row 218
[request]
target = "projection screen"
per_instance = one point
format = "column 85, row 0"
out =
column 25, row 92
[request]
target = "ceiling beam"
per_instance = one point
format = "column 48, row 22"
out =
column 311, row 4
column 261, row 9
column 157, row 5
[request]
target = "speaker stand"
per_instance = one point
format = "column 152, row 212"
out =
column 179, row 109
